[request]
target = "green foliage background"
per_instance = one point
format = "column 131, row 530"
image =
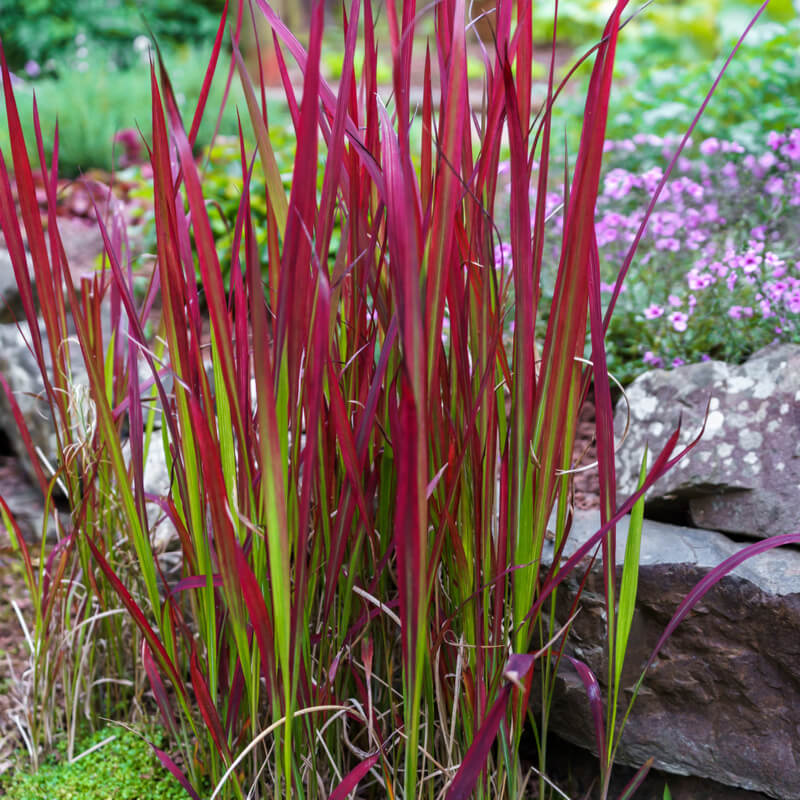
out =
column 38, row 30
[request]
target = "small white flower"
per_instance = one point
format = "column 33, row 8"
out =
column 83, row 52
column 141, row 44
column 80, row 39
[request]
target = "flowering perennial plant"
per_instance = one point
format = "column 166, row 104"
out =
column 717, row 273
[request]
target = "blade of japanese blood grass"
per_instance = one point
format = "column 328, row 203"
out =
column 566, row 327
column 523, row 37
column 404, row 237
column 139, row 618
column 426, row 154
column 206, row 706
column 272, row 486
column 350, row 781
column 402, row 42
column 173, row 768
column 410, row 540
column 604, row 427
column 212, row 65
column 225, row 542
column 295, row 278
column 333, row 166
column 409, row 429
column 276, row 195
column 18, row 543
column 637, row 780
column 159, row 690
column 220, row 322
column 325, row 93
column 595, row 698
column 463, row 784
column 522, row 387
column 446, row 195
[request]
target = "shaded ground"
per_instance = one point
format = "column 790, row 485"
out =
column 14, row 651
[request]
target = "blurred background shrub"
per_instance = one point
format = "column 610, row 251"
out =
column 41, row 37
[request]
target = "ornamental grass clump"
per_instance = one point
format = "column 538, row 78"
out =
column 360, row 500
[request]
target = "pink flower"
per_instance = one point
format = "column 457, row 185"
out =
column 679, row 321
column 653, row 311
column 674, row 300
column 651, row 178
column 719, row 269
column 750, row 262
column 735, row 312
column 792, row 148
column 775, row 139
column 698, row 280
column 774, row 186
column 618, row 183
column 651, row 358
column 710, row 146
column 767, row 160
column 678, row 362
column 668, row 243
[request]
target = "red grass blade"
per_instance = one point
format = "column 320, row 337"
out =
column 517, row 668
column 595, row 698
column 170, row 765
column 139, row 618
column 207, row 709
column 350, row 781
column 637, row 780
column 159, row 690
column 295, row 281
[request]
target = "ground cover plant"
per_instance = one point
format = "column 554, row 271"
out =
column 716, row 273
column 360, row 499
column 112, row 762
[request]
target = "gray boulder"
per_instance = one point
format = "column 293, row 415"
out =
column 21, row 371
column 744, row 475
column 722, row 700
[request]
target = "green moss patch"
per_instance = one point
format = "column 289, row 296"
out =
column 123, row 769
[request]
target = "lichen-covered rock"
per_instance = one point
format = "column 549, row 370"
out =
column 744, row 475
column 722, row 699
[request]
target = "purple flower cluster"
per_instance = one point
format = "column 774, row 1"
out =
column 717, row 269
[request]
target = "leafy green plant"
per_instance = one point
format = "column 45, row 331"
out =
column 42, row 37
column 92, row 107
column 688, row 30
column 362, row 476
column 759, row 93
